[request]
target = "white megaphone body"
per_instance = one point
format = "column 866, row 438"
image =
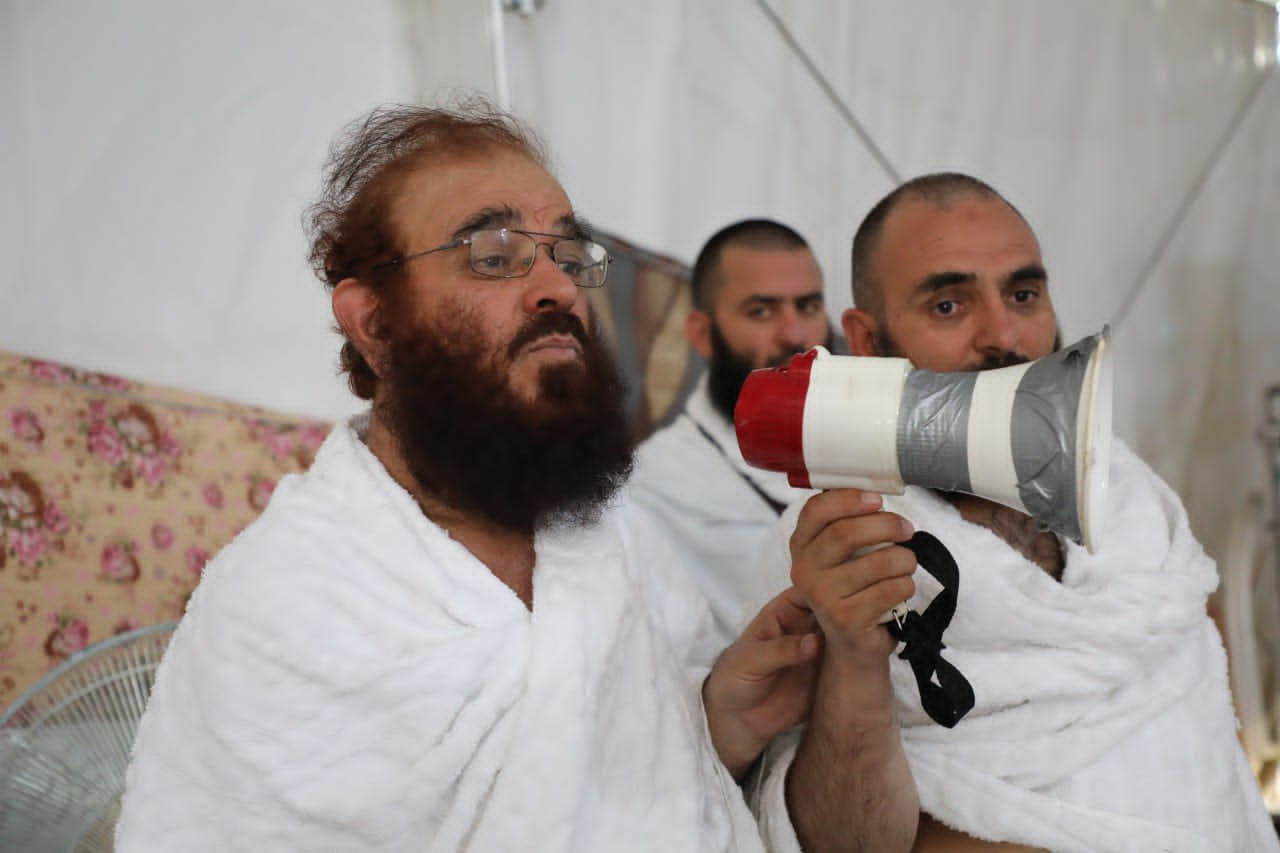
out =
column 1035, row 437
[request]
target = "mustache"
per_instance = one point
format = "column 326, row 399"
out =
column 995, row 361
column 549, row 323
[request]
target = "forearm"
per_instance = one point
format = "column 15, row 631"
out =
column 850, row 788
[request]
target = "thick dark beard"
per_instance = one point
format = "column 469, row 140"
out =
column 471, row 441
column 727, row 371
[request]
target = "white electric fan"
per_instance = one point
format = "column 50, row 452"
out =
column 66, row 742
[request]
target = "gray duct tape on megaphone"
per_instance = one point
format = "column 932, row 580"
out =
column 1031, row 436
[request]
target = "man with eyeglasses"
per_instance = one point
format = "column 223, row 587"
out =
column 757, row 301
column 453, row 632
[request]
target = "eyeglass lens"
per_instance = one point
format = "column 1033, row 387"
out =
column 503, row 253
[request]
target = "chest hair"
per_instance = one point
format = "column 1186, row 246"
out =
column 1018, row 529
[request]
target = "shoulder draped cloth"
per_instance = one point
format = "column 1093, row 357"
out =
column 1103, row 717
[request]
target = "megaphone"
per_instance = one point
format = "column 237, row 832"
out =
column 1035, row 437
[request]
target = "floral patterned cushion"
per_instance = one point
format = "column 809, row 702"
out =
column 113, row 494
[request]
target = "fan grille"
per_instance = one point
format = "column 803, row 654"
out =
column 66, row 743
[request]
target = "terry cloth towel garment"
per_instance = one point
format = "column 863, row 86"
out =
column 348, row 677
column 715, row 508
column 1103, row 719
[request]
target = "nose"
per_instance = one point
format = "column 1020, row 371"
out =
column 547, row 287
column 790, row 333
column 996, row 332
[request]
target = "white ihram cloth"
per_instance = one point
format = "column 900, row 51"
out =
column 1103, row 719
column 348, row 677
column 708, row 501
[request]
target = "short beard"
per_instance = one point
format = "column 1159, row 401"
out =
column 470, row 440
column 728, row 370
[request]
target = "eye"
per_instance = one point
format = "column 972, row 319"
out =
column 810, row 307
column 570, row 257
column 946, row 307
column 498, row 253
column 1025, row 295
column 759, row 311
column 492, row 263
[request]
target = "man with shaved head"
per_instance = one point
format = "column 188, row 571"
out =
column 1102, row 717
column 757, row 301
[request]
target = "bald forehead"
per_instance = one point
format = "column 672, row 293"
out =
column 926, row 247
column 951, row 199
column 921, row 222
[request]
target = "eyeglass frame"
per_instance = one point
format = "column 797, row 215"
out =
column 467, row 241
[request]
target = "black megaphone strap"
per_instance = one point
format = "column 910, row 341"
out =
column 951, row 696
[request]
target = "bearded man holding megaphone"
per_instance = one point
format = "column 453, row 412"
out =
column 1059, row 684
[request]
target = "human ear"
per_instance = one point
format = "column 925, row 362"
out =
column 697, row 328
column 355, row 308
column 860, row 329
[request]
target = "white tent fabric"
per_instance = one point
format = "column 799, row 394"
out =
column 156, row 157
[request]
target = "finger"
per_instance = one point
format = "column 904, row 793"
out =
column 867, row 607
column 787, row 613
column 854, row 617
column 768, row 657
column 854, row 576
column 842, row 540
column 831, row 505
column 850, row 614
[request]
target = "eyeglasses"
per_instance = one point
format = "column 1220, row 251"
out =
column 508, row 253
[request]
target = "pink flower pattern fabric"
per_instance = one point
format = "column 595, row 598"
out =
column 130, row 441
column 113, row 497
column 26, row 426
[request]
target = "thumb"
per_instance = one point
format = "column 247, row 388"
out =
column 771, row 656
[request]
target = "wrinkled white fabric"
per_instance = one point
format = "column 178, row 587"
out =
column 1103, row 719
column 697, row 492
column 348, row 677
